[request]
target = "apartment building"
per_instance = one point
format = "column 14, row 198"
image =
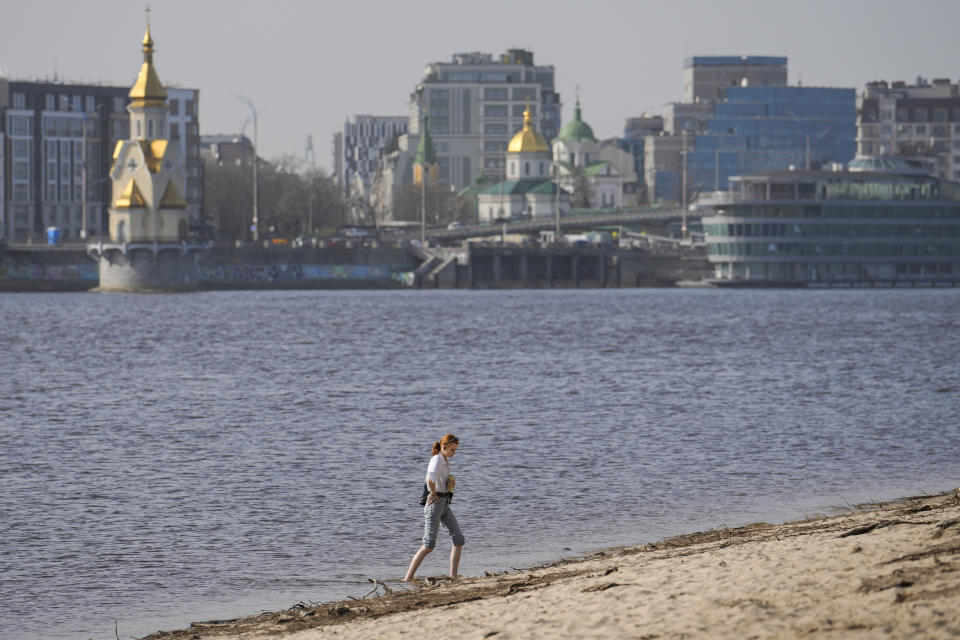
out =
column 360, row 148
column 919, row 121
column 475, row 103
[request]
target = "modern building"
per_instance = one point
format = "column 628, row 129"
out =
column 476, row 104
column 58, row 143
column 528, row 191
column 361, row 147
column 752, row 125
column 707, row 78
column 920, row 121
column 879, row 222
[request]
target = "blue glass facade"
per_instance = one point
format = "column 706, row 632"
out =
column 766, row 128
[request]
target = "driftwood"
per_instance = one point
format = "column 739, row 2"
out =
column 878, row 525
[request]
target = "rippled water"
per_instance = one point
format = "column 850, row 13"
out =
column 169, row 458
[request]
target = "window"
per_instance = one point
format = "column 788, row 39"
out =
column 19, row 100
column 939, row 114
column 495, row 110
column 150, row 128
column 494, row 93
column 118, row 105
column 919, row 115
column 525, row 93
column 921, row 129
column 49, row 102
column 174, row 107
column 518, row 110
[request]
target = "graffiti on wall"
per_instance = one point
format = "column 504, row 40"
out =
column 285, row 272
column 39, row 272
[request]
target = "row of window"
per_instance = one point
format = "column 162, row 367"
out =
column 774, row 229
column 833, row 249
column 914, row 114
column 76, row 102
column 843, row 211
column 503, row 110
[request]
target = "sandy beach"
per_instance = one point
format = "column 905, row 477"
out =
column 879, row 570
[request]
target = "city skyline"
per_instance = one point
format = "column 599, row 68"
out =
column 309, row 67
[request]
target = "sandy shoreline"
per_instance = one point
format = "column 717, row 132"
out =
column 880, row 570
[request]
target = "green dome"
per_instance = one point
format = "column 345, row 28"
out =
column 576, row 129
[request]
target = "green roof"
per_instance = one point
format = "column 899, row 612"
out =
column 519, row 187
column 594, row 169
column 577, row 129
column 425, row 154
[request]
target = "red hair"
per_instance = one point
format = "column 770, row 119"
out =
column 444, row 441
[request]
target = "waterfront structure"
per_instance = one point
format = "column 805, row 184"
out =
column 920, row 121
column 879, row 222
column 149, row 220
column 527, row 190
column 707, row 78
column 476, row 103
column 59, row 140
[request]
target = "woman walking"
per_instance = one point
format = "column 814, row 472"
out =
column 439, row 488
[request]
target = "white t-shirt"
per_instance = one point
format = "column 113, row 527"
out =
column 438, row 470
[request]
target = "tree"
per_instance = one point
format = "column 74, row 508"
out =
column 289, row 201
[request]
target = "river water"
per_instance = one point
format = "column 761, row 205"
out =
column 170, row 458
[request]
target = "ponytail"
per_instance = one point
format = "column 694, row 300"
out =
column 444, row 441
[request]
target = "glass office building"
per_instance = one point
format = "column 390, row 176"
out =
column 766, row 128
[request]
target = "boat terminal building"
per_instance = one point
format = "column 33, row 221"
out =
column 881, row 222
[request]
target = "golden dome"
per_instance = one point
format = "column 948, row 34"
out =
column 148, row 87
column 527, row 140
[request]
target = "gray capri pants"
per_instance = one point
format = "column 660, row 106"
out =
column 433, row 515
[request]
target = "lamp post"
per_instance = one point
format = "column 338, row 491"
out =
column 256, row 183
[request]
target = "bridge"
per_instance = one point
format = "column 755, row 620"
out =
column 572, row 222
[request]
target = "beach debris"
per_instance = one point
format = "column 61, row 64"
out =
column 610, row 570
column 603, row 586
column 943, row 526
column 490, row 634
column 878, row 525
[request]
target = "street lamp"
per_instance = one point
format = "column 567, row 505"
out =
column 83, row 167
column 256, row 184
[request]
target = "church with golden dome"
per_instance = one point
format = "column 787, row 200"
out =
column 148, row 248
column 527, row 190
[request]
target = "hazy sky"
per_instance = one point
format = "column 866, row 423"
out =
column 309, row 65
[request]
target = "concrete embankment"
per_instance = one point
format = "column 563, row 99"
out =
column 69, row 268
column 383, row 266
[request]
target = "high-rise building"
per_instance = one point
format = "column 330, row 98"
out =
column 359, row 150
column 476, row 104
column 753, row 124
column 920, row 121
column 45, row 125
